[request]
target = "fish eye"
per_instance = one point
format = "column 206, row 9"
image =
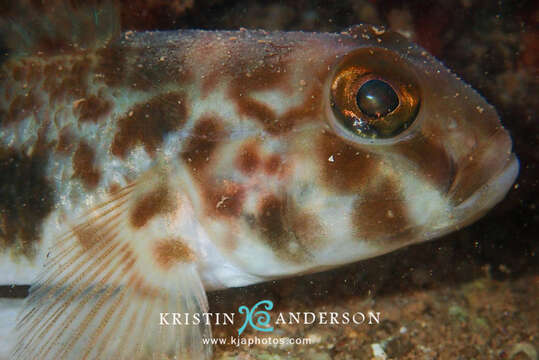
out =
column 376, row 98
column 374, row 95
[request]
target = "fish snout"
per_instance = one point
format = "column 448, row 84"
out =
column 484, row 177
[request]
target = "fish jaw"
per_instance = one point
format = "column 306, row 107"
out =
column 480, row 202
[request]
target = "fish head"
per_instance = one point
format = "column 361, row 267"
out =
column 407, row 151
column 386, row 148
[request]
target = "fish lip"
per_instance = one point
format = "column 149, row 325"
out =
column 494, row 190
column 477, row 205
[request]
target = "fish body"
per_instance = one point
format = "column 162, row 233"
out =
column 145, row 168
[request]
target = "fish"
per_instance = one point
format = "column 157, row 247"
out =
column 141, row 170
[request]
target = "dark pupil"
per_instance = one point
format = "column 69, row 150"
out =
column 376, row 98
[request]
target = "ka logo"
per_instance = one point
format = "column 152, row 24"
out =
column 262, row 317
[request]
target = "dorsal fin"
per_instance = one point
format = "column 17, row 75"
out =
column 56, row 26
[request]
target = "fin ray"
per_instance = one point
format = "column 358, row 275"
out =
column 102, row 289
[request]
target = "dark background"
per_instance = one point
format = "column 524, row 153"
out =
column 471, row 294
column 486, row 274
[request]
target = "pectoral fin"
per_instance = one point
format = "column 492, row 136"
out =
column 110, row 277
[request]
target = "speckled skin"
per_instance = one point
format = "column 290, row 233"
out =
column 245, row 117
column 216, row 158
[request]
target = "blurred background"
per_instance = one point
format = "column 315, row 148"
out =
column 471, row 295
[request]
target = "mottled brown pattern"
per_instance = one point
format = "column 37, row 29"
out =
column 147, row 123
column 141, row 68
column 111, row 65
column 52, row 72
column 92, row 108
column 248, row 158
column 381, row 213
column 18, row 72
column 89, row 235
column 168, row 252
column 310, row 109
column 270, row 75
column 27, row 71
column 272, row 164
column 345, row 168
column 225, row 199
column 53, row 45
column 150, row 68
column 144, row 289
column 65, row 141
column 26, row 198
column 84, row 167
column 150, row 205
column 23, row 106
column 209, row 83
column 114, row 188
column 270, row 219
column 284, row 229
column 65, row 82
column 206, row 136
column 432, row 161
column 263, row 113
column 307, row 230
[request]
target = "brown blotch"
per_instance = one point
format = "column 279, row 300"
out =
column 270, row 75
column 65, row 141
column 381, row 213
column 310, row 108
column 147, row 123
column 263, row 113
column 345, row 168
column 53, row 73
column 168, row 252
column 53, row 45
column 206, row 136
column 225, row 199
column 143, row 289
column 433, row 162
column 66, row 82
column 272, row 164
column 86, row 236
column 26, row 198
column 92, row 108
column 150, row 205
column 84, row 166
column 27, row 71
column 18, row 73
column 90, row 235
column 23, row 106
column 281, row 224
column 111, row 65
column 271, row 222
column 248, row 158
column 114, row 188
column 210, row 82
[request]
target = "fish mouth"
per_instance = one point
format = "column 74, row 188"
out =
column 489, row 194
column 482, row 199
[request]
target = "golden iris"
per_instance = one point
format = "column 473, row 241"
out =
column 374, row 94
